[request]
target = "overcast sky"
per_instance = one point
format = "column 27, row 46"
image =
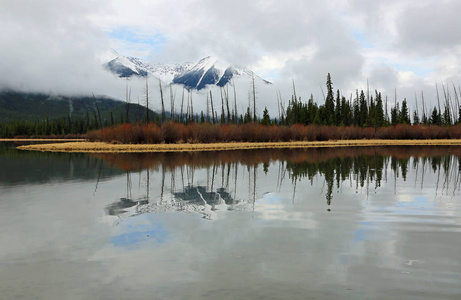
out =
column 408, row 45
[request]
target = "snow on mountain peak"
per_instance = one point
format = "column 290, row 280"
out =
column 208, row 71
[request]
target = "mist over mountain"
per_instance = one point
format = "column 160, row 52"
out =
column 37, row 106
column 194, row 76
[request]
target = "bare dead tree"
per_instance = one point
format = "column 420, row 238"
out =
column 278, row 106
column 97, row 109
column 368, row 94
column 172, row 99
column 161, row 99
column 182, row 106
column 235, row 103
column 323, row 93
column 222, row 106
column 294, row 91
column 424, row 119
column 207, row 108
column 438, row 99
column 147, row 100
column 188, row 107
column 450, row 106
column 446, row 113
column 127, row 100
column 191, row 108
column 457, row 116
column 395, row 97
column 226, row 92
column 254, row 95
column 212, row 107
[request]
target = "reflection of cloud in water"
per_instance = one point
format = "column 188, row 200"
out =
column 137, row 233
column 376, row 231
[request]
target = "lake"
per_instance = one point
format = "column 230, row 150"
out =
column 347, row 223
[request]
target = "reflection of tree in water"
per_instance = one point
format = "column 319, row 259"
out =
column 189, row 197
column 364, row 168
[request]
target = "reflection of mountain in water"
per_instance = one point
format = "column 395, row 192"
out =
column 191, row 199
column 237, row 176
column 121, row 206
column 199, row 195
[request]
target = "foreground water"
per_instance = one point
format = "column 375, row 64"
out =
column 363, row 223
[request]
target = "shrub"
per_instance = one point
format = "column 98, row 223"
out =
column 153, row 134
column 455, row 131
column 172, row 132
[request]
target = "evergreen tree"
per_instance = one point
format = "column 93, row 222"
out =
column 446, row 119
column 312, row 110
column 356, row 111
column 395, row 114
column 363, row 114
column 371, row 120
column 338, row 120
column 379, row 111
column 435, row 117
column 247, row 118
column 329, row 113
column 404, row 117
column 345, row 112
column 416, row 120
column 266, row 120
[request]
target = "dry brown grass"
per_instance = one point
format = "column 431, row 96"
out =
column 100, row 147
column 42, row 140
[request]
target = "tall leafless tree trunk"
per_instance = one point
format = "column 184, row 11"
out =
column 207, row 108
column 226, row 92
column 212, row 108
column 172, row 98
column 147, row 100
column 182, row 107
column 99, row 113
column 191, row 108
column 235, row 103
column 222, row 106
column 161, row 99
column 127, row 100
column 424, row 119
column 254, row 96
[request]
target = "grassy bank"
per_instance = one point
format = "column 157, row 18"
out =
column 101, row 147
column 41, row 140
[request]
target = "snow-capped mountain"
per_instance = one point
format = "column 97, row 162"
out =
column 208, row 71
column 131, row 66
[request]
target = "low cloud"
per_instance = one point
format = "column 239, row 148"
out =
column 56, row 46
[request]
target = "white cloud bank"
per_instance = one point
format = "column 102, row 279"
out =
column 408, row 45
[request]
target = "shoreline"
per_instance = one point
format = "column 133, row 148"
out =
column 42, row 140
column 100, row 147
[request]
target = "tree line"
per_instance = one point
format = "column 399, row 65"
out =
column 362, row 110
column 369, row 111
column 63, row 127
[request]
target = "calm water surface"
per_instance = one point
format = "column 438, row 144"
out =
column 355, row 223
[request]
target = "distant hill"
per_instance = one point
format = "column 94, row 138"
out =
column 31, row 106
